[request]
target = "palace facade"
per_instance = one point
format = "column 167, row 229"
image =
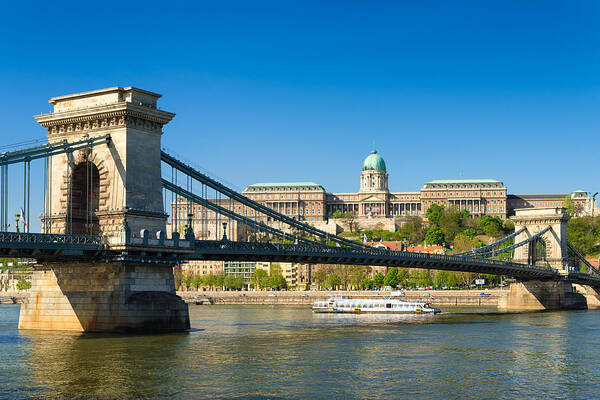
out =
column 309, row 201
column 372, row 205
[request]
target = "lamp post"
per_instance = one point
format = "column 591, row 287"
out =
column 17, row 218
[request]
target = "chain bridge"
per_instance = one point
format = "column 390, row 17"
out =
column 119, row 212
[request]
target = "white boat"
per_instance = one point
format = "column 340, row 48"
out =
column 371, row 305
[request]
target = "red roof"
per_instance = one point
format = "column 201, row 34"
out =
column 398, row 246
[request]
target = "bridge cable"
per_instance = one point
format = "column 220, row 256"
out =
column 252, row 204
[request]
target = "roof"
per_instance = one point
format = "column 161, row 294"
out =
column 285, row 184
column 536, row 196
column 373, row 162
column 464, row 181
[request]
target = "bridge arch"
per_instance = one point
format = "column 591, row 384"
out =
column 83, row 193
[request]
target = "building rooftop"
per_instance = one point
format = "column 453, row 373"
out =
column 464, row 181
column 284, row 184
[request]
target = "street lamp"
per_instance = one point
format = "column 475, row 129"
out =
column 593, row 203
column 17, row 218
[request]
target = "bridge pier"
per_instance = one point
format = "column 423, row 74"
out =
column 542, row 295
column 104, row 297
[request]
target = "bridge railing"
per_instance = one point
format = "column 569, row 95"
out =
column 14, row 237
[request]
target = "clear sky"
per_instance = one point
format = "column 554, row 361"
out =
column 284, row 90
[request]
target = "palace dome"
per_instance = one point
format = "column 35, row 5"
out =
column 374, row 162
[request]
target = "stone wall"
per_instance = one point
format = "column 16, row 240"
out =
column 437, row 297
column 101, row 297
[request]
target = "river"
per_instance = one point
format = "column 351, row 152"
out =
column 286, row 352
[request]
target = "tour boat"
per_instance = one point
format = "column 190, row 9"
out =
column 379, row 305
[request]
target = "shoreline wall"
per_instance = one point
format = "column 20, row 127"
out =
column 436, row 297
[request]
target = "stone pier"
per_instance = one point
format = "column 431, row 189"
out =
column 538, row 296
column 104, row 297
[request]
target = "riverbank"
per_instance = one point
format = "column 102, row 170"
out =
column 436, row 297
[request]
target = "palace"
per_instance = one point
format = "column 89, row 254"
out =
column 309, row 201
column 374, row 205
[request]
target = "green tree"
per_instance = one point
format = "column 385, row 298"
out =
column 366, row 284
column 391, row 278
column 277, row 281
column 210, row 280
column 470, row 232
column 452, row 281
column 569, row 205
column 491, row 225
column 378, row 280
column 451, row 222
column 403, row 276
column 23, row 284
column 197, row 281
column 259, row 278
column 424, row 278
column 434, row 235
column 584, row 233
column 434, row 213
column 333, row 282
column 187, row 281
column 220, row 281
column 440, row 279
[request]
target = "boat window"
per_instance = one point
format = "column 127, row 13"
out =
column 388, row 305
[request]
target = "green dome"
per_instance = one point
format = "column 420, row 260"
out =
column 374, row 162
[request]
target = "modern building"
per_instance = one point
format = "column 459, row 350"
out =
column 202, row 267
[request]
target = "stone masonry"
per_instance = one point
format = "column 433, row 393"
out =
column 104, row 297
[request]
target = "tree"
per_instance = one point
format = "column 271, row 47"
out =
column 462, row 243
column 403, row 276
column 491, row 225
column 451, row 222
column 210, row 280
column 470, row 232
column 440, row 279
column 584, row 233
column 197, row 281
column 366, row 284
column 434, row 235
column 23, row 284
column 187, row 281
column 319, row 277
column 220, row 281
column 424, row 279
column 569, row 205
column 434, row 213
column 412, row 230
column 391, row 278
column 333, row 282
column 259, row 278
column 378, row 280
column 277, row 281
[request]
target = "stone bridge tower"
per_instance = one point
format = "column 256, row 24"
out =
column 554, row 240
column 96, row 190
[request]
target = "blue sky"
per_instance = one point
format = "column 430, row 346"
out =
column 284, row 90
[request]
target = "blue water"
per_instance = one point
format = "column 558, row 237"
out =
column 270, row 352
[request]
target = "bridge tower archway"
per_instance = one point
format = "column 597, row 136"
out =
column 84, row 199
column 553, row 243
